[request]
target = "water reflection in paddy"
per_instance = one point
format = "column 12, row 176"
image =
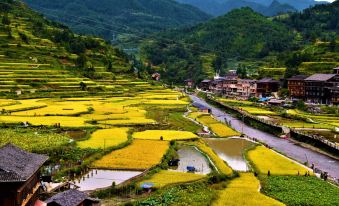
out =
column 189, row 156
column 231, row 151
column 98, row 179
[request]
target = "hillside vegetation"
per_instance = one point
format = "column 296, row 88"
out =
column 38, row 54
column 241, row 33
column 221, row 7
column 121, row 18
column 303, row 42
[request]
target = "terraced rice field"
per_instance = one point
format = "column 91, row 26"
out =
column 257, row 111
column 165, row 178
column 244, row 191
column 265, row 160
column 105, row 138
column 220, row 129
column 140, row 155
column 47, row 120
column 167, row 135
column 33, row 141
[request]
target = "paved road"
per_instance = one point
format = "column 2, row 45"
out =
column 287, row 147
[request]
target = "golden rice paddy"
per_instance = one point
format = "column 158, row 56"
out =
column 265, row 160
column 167, row 135
column 140, row 155
column 165, row 178
column 105, row 138
column 244, row 191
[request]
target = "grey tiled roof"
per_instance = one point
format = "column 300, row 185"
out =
column 320, row 77
column 298, row 77
column 268, row 80
column 69, row 198
column 17, row 165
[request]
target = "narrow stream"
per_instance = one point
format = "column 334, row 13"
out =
column 231, row 151
column 99, row 179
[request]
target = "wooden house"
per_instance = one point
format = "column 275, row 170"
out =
column 189, row 83
column 322, row 88
column 19, row 176
column 267, row 86
column 205, row 85
column 296, row 86
column 72, row 198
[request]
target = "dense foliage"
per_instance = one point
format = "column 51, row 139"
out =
column 193, row 194
column 220, row 7
column 241, row 33
column 299, row 190
column 319, row 21
column 119, row 17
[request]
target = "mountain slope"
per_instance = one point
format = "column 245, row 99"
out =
column 265, row 7
column 242, row 33
column 46, row 56
column 121, row 18
column 305, row 41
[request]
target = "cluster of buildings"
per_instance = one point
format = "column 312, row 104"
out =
column 318, row 88
column 232, row 86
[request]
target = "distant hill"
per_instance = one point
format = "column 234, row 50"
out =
column 306, row 41
column 241, row 33
column 119, row 18
column 265, row 7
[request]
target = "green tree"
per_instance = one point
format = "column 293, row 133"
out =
column 81, row 61
column 242, row 71
column 217, row 63
column 6, row 20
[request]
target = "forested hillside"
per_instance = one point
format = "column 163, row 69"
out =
column 119, row 19
column 265, row 7
column 240, row 34
column 301, row 42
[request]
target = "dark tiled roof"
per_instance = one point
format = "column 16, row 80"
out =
column 298, row 77
column 206, row 81
column 320, row 77
column 69, row 198
column 17, row 165
column 268, row 80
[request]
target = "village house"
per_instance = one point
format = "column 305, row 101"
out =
column 336, row 70
column 216, row 86
column 189, row 83
column 229, row 86
column 296, row 86
column 322, row 88
column 246, row 88
column 205, row 84
column 267, row 86
column 72, row 198
column 19, row 176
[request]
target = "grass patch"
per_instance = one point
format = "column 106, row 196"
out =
column 299, row 190
column 33, row 140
